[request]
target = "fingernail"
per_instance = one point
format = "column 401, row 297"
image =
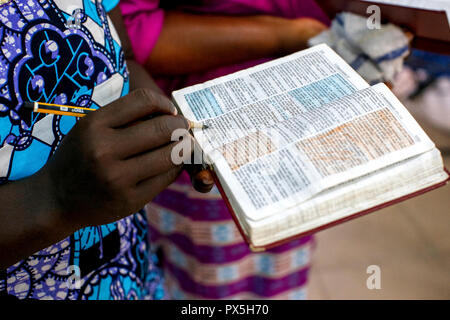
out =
column 204, row 177
column 207, row 182
column 175, row 110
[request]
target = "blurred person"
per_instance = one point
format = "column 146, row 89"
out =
column 183, row 43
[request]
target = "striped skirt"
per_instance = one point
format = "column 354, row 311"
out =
column 205, row 257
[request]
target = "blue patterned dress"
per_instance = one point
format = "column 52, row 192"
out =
column 66, row 52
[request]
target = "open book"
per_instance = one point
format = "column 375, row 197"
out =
column 303, row 142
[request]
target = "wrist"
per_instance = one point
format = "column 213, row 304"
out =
column 50, row 214
column 293, row 34
column 278, row 34
column 286, row 37
column 29, row 220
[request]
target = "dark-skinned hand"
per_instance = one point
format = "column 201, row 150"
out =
column 113, row 162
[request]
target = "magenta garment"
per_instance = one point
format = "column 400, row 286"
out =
column 144, row 19
column 204, row 255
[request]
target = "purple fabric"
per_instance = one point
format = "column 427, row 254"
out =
column 223, row 254
column 281, row 8
column 176, row 202
column 261, row 286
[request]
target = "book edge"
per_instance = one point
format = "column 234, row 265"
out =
column 254, row 248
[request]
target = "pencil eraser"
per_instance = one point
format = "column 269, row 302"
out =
column 28, row 105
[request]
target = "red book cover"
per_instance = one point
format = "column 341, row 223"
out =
column 326, row 226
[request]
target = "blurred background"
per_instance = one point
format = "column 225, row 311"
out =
column 410, row 241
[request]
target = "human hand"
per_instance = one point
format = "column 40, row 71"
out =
column 294, row 34
column 113, row 161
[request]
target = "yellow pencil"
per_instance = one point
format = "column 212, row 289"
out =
column 76, row 111
column 58, row 109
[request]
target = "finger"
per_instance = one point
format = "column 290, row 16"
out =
column 157, row 162
column 150, row 134
column 409, row 35
column 202, row 180
column 138, row 104
column 146, row 190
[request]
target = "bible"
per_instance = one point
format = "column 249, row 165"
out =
column 302, row 143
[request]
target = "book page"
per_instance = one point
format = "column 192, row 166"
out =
column 283, row 131
column 240, row 103
column 229, row 93
column 317, row 150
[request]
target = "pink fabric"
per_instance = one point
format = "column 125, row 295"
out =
column 144, row 20
column 283, row 8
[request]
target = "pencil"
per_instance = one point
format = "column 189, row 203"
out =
column 76, row 111
column 197, row 125
column 42, row 107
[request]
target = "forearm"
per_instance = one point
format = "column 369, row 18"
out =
column 32, row 217
column 29, row 220
column 140, row 78
column 190, row 43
